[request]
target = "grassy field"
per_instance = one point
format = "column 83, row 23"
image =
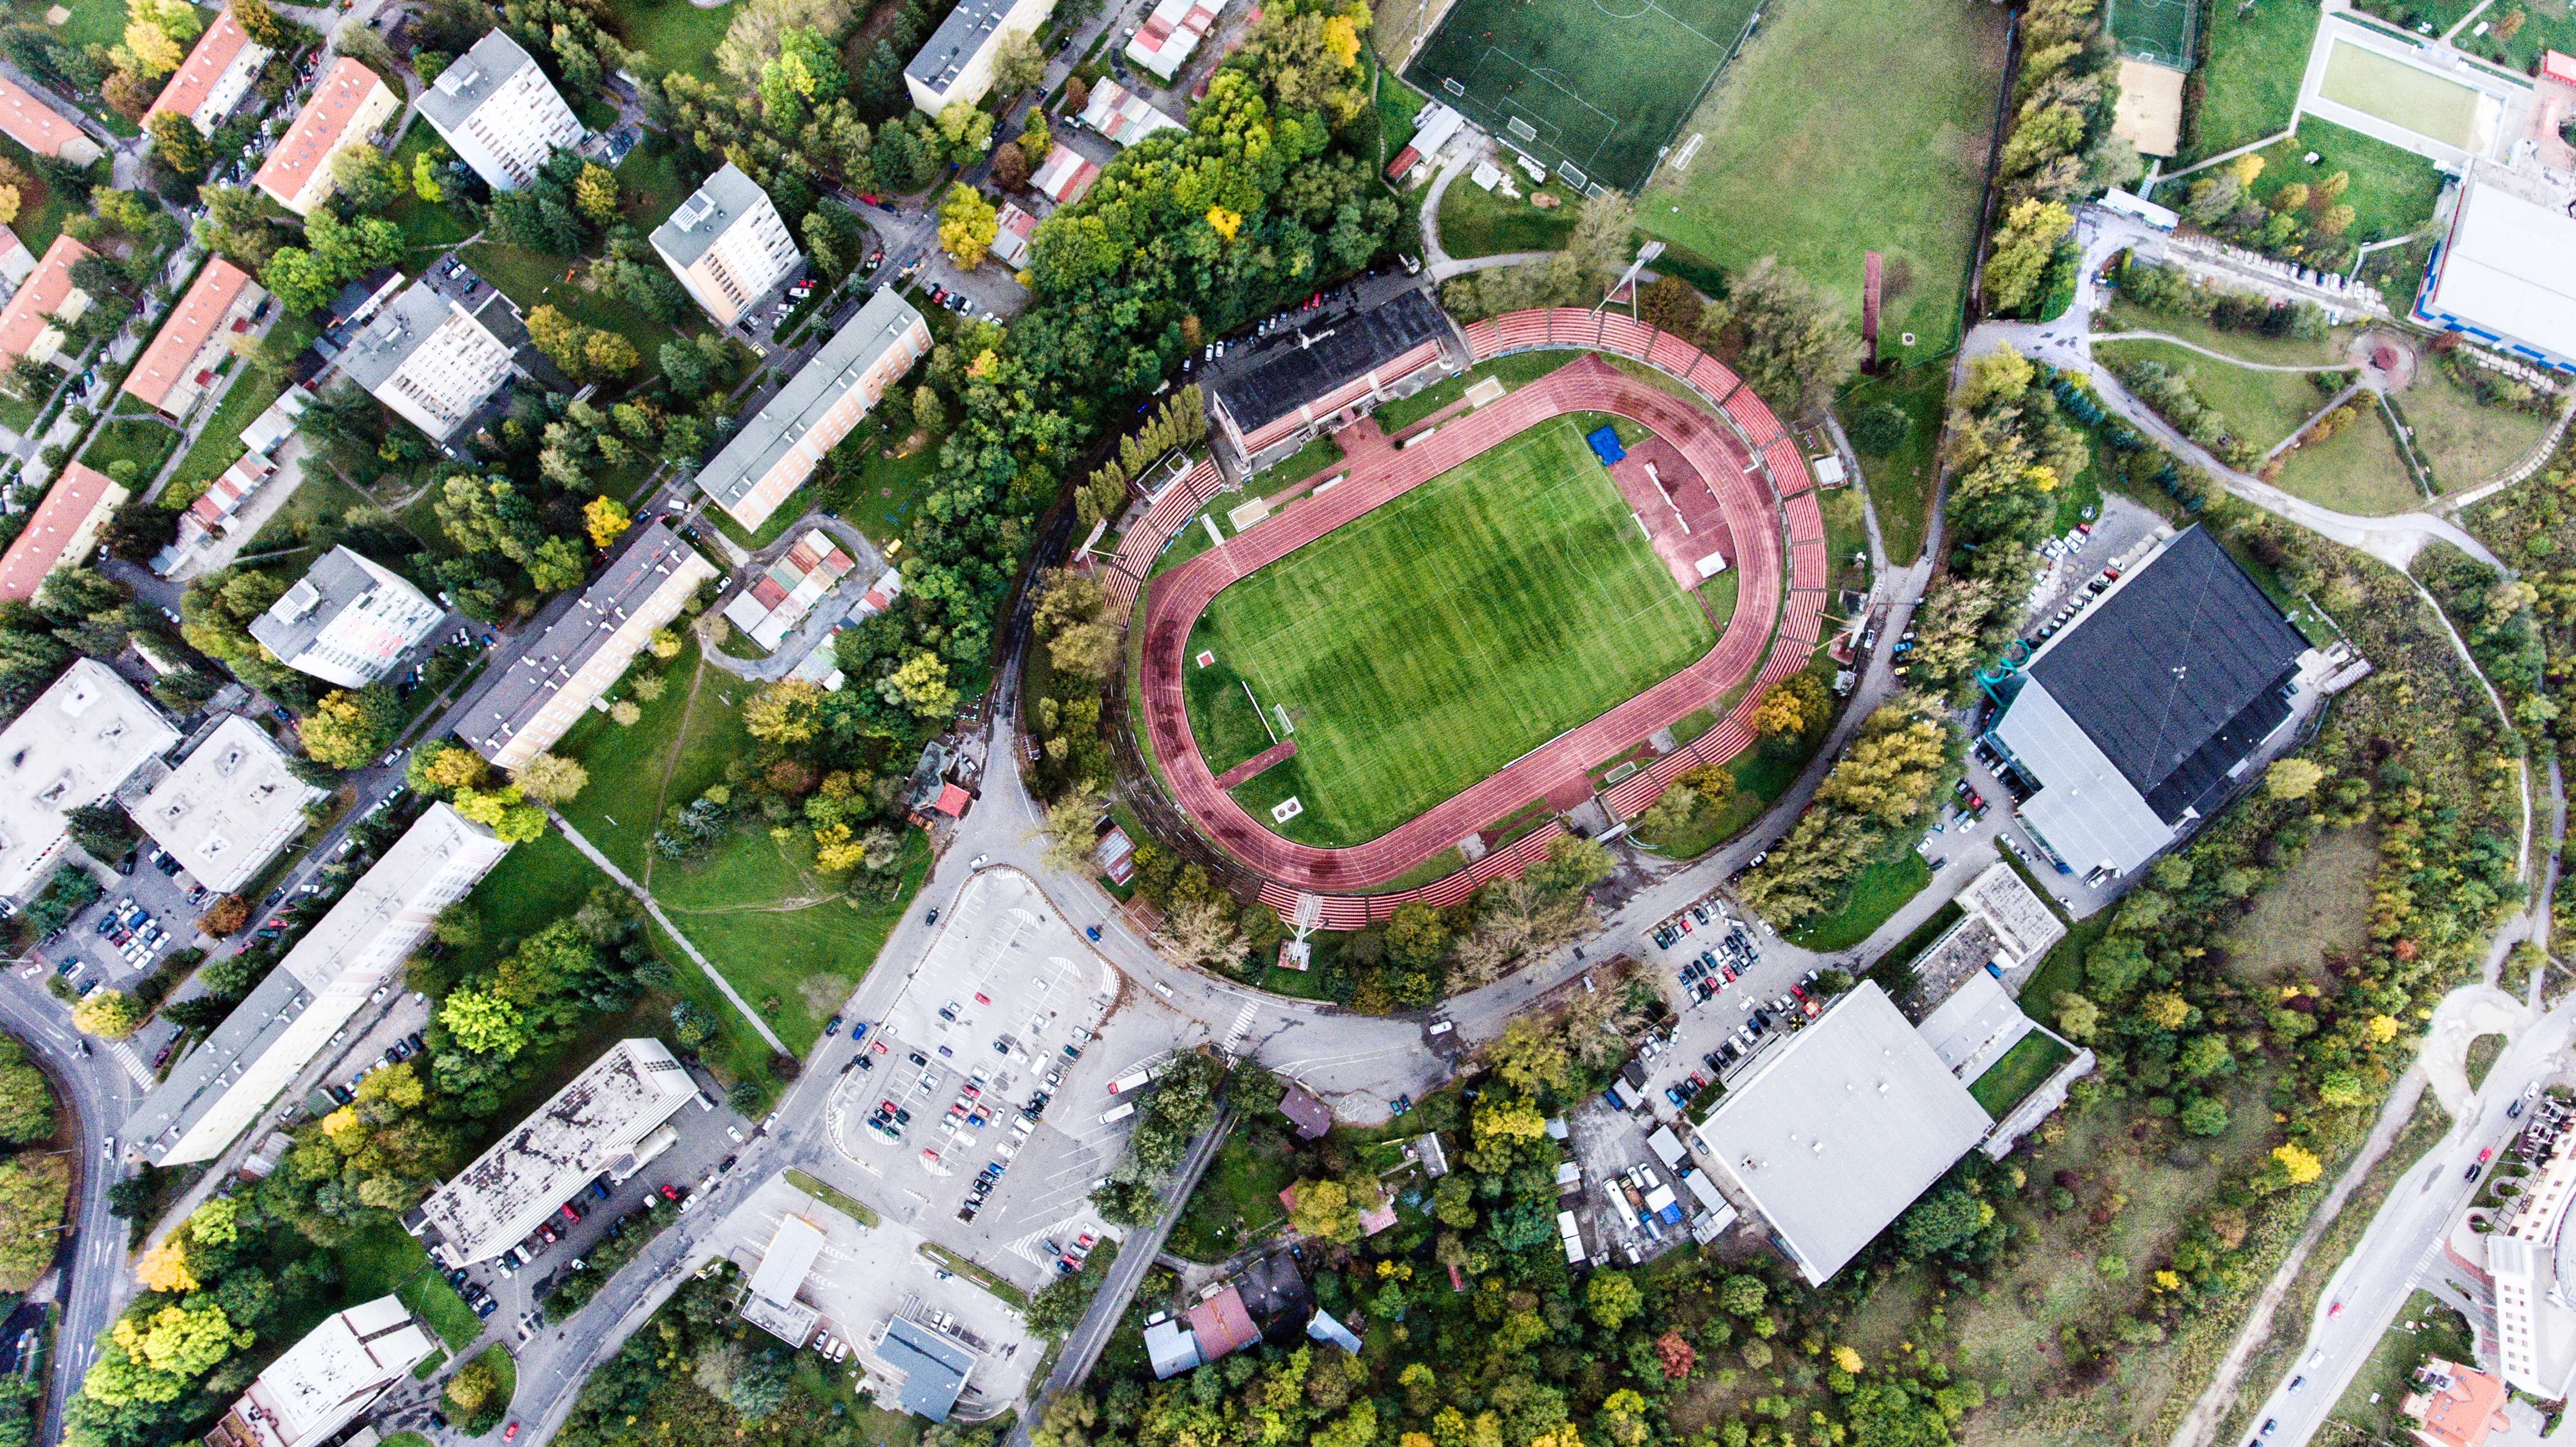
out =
column 1844, row 129
column 2244, row 346
column 1439, row 637
column 319, row 501
column 2261, row 407
column 2392, row 191
column 2321, row 903
column 1236, row 1203
column 218, row 444
column 39, row 224
column 2251, row 81
column 2357, row 470
column 534, row 279
column 1585, row 84
column 2463, row 439
column 2482, row 1058
column 1516, row 370
column 1878, row 892
column 1475, row 222
column 2023, row 1069
column 2425, row 1326
column 428, row 229
column 147, row 442
column 673, row 34
column 1900, row 483
column 2404, row 95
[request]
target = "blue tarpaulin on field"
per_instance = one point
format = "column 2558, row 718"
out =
column 1605, row 444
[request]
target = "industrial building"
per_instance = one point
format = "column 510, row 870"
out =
column 956, row 63
column 495, row 108
column 933, row 1368
column 221, row 1086
column 778, row 448
column 82, row 736
column 195, row 339
column 347, row 621
column 528, row 705
column 1841, row 1129
column 1336, row 374
column 727, row 245
column 582, row 1131
column 228, row 807
column 347, row 105
column 2504, row 272
column 322, row 1383
column 2137, row 720
column 220, row 69
column 433, row 358
column 62, row 530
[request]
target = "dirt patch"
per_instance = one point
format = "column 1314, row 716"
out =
column 2321, row 904
column 823, row 994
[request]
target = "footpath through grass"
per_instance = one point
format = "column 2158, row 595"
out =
column 1844, row 129
column 1421, row 647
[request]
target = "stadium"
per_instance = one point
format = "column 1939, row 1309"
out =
column 1500, row 613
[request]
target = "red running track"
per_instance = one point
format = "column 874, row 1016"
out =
column 1176, row 599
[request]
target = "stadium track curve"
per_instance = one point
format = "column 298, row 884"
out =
column 1773, row 538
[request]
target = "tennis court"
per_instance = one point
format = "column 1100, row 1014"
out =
column 2157, row 31
column 1592, row 87
column 2408, row 96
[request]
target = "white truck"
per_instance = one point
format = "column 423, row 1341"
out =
column 1137, row 1078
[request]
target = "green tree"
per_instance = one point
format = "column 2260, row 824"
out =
column 483, row 1022
column 26, row 1098
column 107, row 1014
column 349, row 727
column 1612, row 1298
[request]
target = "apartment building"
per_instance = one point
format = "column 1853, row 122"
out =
column 347, row 621
column 727, row 245
column 430, row 359
column 61, row 530
column 223, row 1085
column 30, row 323
column 349, row 104
column 228, row 807
column 42, row 129
column 777, row 450
column 956, row 63
column 496, row 109
column 220, row 69
column 543, row 692
column 322, row 1383
column 80, row 739
column 194, row 339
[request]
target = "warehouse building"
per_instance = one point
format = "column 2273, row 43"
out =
column 2137, row 720
column 583, row 1130
column 2504, row 272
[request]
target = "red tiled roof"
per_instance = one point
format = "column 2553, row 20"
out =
column 2462, row 1413
column 23, row 320
column 952, row 801
column 32, row 123
column 68, row 504
column 195, row 78
column 766, row 592
column 321, row 128
column 191, row 325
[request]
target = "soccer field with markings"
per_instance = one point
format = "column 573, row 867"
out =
column 1423, row 646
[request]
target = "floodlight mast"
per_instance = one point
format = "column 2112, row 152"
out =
column 1628, row 278
column 1308, row 913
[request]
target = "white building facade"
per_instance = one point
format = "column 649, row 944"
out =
column 427, row 358
column 496, row 109
column 727, row 245
column 348, row 620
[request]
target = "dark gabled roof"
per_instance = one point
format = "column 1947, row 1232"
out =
column 1346, row 350
column 2175, row 674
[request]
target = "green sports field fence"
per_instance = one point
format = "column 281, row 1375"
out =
column 1594, row 88
column 2157, row 31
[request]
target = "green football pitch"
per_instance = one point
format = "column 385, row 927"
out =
column 1422, row 646
column 1600, row 84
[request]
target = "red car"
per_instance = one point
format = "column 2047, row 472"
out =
column 2486, row 1155
column 510, row 1432
column 670, row 1193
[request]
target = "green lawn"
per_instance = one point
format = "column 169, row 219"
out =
column 1237, row 1202
column 1844, row 129
column 434, row 1301
column 147, row 442
column 2482, row 1058
column 1877, row 893
column 2404, row 95
column 37, row 226
column 2463, row 439
column 2244, row 346
column 2250, row 83
column 1475, row 222
column 1900, row 483
column 219, row 444
column 1515, row 370
column 2357, row 471
column 673, row 34
column 535, row 278
column 2392, row 191
column 2425, row 1326
column 2547, row 25
column 319, row 502
column 1425, row 645
column 2023, row 1069
column 617, row 812
column 428, row 229
column 2261, row 407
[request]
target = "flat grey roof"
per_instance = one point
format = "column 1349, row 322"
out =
column 2086, row 809
column 205, row 1074
column 764, row 439
column 967, row 29
column 1843, row 1129
column 934, row 1368
column 710, row 212
column 470, row 80
column 394, row 335
column 523, row 688
column 336, row 580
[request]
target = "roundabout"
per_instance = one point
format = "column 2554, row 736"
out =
column 1719, row 439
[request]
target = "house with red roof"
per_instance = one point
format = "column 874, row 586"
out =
column 220, row 69
column 27, row 326
column 349, row 104
column 42, row 129
column 64, row 526
column 195, row 339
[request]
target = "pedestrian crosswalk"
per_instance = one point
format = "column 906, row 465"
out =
column 133, row 1063
column 1242, row 1027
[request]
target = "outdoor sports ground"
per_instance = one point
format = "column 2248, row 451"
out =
column 1478, row 619
column 1601, row 84
column 1437, row 638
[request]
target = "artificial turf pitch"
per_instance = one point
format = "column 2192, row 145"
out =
column 1424, row 645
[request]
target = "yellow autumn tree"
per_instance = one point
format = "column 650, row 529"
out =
column 165, row 1268
column 1225, row 222
column 607, row 520
column 2297, row 1166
